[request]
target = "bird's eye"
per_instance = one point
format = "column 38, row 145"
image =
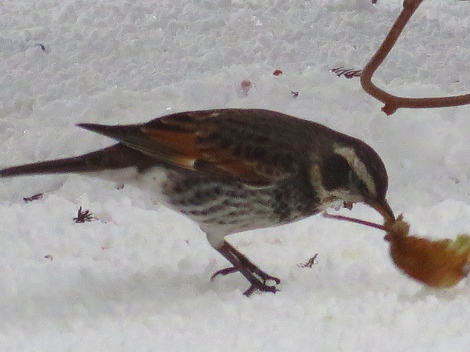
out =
column 336, row 172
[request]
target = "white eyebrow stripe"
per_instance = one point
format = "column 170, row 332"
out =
column 357, row 165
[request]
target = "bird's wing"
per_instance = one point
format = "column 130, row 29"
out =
column 208, row 141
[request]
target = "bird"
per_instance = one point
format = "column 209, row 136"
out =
column 233, row 170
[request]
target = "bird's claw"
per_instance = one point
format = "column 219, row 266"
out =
column 258, row 283
column 224, row 272
column 261, row 286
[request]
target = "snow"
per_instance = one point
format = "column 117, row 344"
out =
column 138, row 279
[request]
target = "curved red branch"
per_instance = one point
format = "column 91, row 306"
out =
column 393, row 102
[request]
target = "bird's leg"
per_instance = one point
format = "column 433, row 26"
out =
column 253, row 274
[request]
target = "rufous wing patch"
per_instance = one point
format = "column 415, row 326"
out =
column 190, row 141
column 180, row 147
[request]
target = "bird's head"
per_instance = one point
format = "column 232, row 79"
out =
column 352, row 173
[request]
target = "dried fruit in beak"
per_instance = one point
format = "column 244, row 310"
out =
column 439, row 264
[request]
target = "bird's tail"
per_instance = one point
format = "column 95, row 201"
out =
column 115, row 157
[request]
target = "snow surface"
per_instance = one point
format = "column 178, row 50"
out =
column 138, row 279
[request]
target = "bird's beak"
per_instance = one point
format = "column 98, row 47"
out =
column 384, row 209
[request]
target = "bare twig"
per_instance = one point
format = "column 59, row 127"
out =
column 346, row 72
column 83, row 216
column 309, row 262
column 393, row 102
column 34, row 197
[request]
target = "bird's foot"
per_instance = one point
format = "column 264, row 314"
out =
column 253, row 274
column 257, row 271
column 261, row 286
column 258, row 279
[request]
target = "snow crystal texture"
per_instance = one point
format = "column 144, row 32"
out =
column 138, row 278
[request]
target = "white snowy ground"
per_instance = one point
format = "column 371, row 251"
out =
column 138, row 279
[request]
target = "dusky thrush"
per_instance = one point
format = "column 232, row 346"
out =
column 233, row 170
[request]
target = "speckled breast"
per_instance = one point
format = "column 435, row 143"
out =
column 231, row 206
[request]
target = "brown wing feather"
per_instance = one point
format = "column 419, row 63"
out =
column 195, row 144
column 181, row 146
column 196, row 141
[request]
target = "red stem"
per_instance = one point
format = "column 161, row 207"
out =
column 357, row 221
column 393, row 102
